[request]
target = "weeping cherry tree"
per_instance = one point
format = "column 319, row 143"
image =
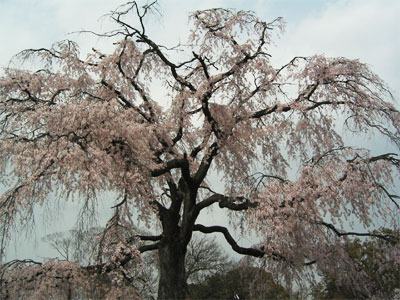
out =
column 77, row 127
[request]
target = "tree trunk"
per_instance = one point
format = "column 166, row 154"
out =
column 172, row 284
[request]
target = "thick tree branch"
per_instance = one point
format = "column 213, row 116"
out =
column 172, row 164
column 269, row 110
column 153, row 238
column 145, row 39
column 203, row 64
column 388, row 157
column 150, row 247
column 241, row 250
column 150, row 237
column 232, row 203
column 205, row 163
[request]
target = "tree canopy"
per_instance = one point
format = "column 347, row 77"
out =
column 78, row 126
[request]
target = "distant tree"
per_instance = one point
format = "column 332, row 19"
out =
column 378, row 268
column 76, row 245
column 245, row 282
column 205, row 258
column 76, row 127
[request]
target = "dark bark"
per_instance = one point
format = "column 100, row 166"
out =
column 172, row 283
column 173, row 244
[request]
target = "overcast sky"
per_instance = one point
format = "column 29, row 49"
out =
column 364, row 29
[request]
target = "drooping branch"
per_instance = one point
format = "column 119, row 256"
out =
column 392, row 197
column 228, row 237
column 288, row 107
column 340, row 233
